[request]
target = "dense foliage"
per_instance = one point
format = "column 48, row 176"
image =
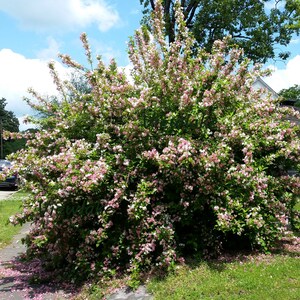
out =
column 182, row 160
column 291, row 93
column 11, row 123
column 259, row 27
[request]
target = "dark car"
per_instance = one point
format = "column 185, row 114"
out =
column 12, row 180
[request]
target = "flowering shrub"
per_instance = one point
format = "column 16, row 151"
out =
column 133, row 175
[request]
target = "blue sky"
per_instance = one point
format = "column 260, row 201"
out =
column 56, row 25
column 33, row 32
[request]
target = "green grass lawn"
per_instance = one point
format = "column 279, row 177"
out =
column 8, row 208
column 273, row 277
column 256, row 277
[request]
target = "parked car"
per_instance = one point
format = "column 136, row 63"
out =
column 11, row 181
column 293, row 173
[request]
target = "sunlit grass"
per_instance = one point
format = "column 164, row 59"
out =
column 276, row 277
column 9, row 207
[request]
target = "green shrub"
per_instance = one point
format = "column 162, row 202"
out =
column 133, row 175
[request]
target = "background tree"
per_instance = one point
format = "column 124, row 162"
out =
column 258, row 30
column 77, row 86
column 291, row 93
column 10, row 123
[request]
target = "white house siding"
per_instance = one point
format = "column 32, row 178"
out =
column 260, row 84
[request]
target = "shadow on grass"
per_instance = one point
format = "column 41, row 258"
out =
column 289, row 246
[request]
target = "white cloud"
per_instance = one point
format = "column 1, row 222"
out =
column 106, row 51
column 135, row 11
column 295, row 41
column 286, row 77
column 49, row 15
column 127, row 70
column 23, row 126
column 18, row 73
column 51, row 52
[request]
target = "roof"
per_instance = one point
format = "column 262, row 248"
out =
column 259, row 83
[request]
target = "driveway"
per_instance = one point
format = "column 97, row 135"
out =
column 4, row 194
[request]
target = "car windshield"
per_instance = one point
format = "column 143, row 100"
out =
column 4, row 164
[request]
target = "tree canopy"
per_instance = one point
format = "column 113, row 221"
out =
column 291, row 93
column 77, row 85
column 258, row 26
column 10, row 123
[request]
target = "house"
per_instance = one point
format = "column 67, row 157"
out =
column 260, row 84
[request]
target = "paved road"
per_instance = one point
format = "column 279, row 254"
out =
column 4, row 194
